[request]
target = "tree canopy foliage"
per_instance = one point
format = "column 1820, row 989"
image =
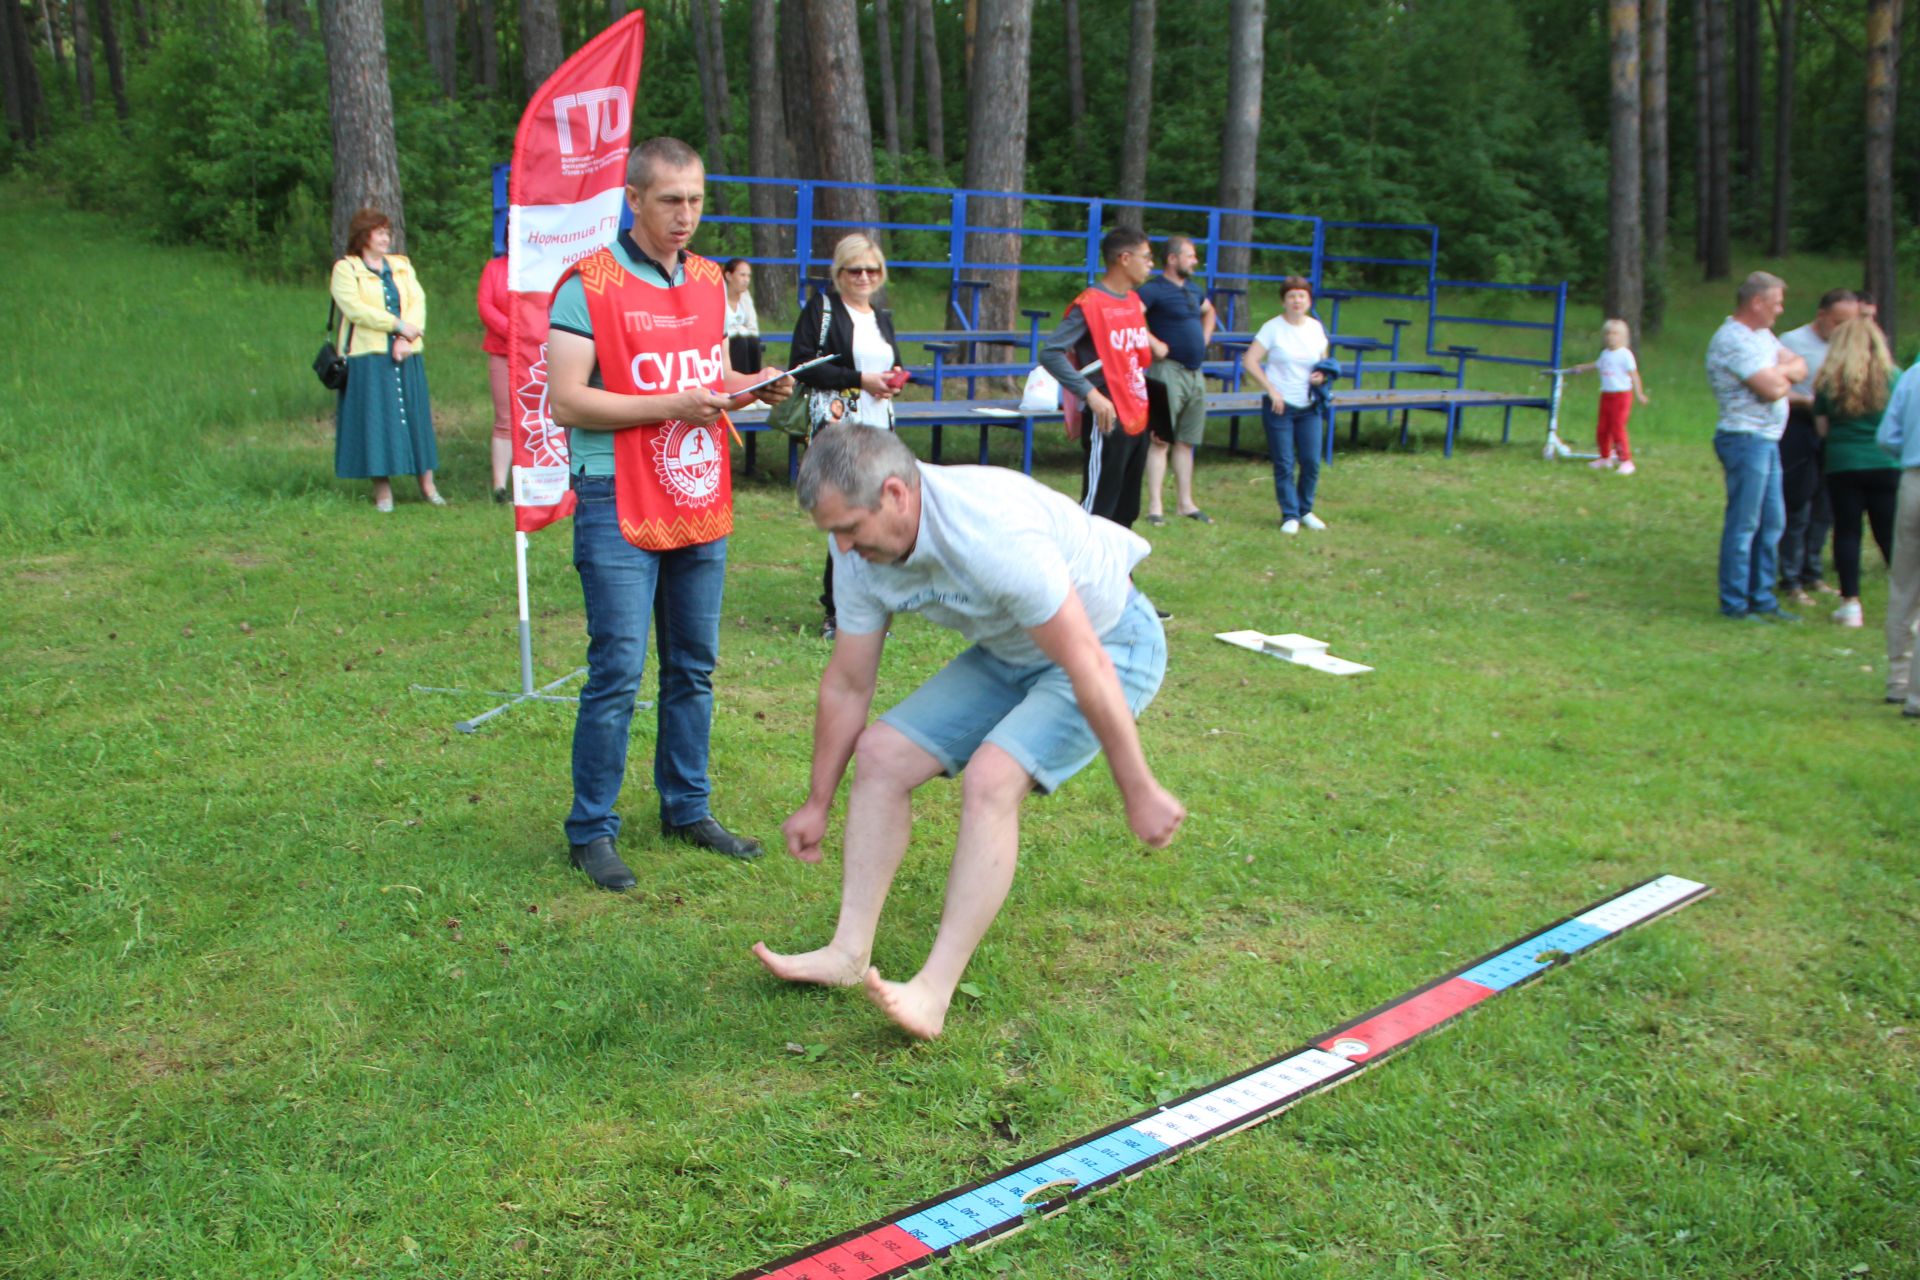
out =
column 1487, row 117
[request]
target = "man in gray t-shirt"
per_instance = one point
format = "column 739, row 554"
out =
column 1751, row 374
column 1065, row 654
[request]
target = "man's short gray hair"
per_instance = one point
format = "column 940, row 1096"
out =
column 1756, row 284
column 855, row 462
column 654, row 154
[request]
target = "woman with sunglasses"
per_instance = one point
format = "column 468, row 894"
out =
column 860, row 382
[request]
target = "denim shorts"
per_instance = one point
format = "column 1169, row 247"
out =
column 1029, row 711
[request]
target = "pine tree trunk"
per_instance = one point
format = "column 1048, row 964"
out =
column 82, row 56
column 1240, row 142
column 773, row 286
column 1625, row 245
column 24, row 94
column 1702, row 135
column 10, row 74
column 540, row 49
column 997, row 149
column 1134, row 140
column 722, row 90
column 43, row 15
column 909, row 65
column 1653, row 84
column 366, row 164
column 1076, row 90
column 1749, row 169
column 936, row 93
column 143, row 23
column 1719, row 183
column 889, row 95
column 110, row 47
column 1785, row 24
column 844, row 130
column 1883, row 27
column 715, row 157
column 486, row 21
column 796, row 79
column 442, row 28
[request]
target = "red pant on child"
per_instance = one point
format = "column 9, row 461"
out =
column 1615, row 408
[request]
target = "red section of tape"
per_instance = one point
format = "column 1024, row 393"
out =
column 1406, row 1020
column 893, row 1246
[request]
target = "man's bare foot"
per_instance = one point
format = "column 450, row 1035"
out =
column 916, row 1011
column 827, row 966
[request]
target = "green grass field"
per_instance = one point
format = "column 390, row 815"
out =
column 295, row 980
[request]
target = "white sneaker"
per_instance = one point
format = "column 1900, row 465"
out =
column 1626, row 468
column 1601, row 464
column 1312, row 521
column 1849, row 615
column 1289, row 526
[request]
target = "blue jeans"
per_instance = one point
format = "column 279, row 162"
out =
column 625, row 587
column 1293, row 436
column 1756, row 513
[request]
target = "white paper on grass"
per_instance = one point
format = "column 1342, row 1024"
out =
column 1285, row 648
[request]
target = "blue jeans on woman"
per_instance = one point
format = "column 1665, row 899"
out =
column 626, row 588
column 1756, row 513
column 1294, row 435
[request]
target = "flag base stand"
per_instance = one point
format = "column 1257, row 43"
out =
column 526, row 693
column 1555, row 446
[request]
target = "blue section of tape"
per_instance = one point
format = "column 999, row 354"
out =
column 1134, row 1140
column 934, row 1229
column 1516, row 963
column 1089, row 1156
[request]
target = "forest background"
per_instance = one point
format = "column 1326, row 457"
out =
column 208, row 120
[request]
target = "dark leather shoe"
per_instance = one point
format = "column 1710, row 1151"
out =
column 709, row 834
column 602, row 865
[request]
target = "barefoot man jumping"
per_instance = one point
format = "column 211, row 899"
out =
column 1065, row 654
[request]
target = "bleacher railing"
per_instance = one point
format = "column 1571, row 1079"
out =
column 1060, row 235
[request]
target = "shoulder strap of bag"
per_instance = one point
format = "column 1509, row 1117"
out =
column 334, row 317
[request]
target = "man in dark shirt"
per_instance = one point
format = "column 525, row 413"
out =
column 1180, row 315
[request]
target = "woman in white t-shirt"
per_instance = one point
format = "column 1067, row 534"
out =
column 859, row 384
column 1619, row 384
column 1280, row 362
column 743, row 320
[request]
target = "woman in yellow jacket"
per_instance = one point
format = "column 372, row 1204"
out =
column 384, row 426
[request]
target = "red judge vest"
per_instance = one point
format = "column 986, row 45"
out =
column 1118, row 327
column 672, row 485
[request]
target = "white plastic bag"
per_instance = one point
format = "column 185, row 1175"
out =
column 1042, row 394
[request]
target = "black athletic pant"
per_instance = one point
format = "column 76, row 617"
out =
column 1123, row 465
column 1874, row 493
column 1805, row 535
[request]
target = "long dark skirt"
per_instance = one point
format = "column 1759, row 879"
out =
column 383, row 425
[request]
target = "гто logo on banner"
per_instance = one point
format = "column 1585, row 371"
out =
column 607, row 112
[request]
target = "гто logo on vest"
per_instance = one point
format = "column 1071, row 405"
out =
column 689, row 461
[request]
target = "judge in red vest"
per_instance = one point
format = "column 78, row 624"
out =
column 638, row 373
column 1107, row 408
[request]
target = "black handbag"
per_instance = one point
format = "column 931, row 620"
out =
column 330, row 366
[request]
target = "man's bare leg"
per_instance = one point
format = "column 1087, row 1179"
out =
column 887, row 768
column 1183, row 477
column 993, row 785
column 1157, row 473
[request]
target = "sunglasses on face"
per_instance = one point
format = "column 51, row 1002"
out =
column 860, row 271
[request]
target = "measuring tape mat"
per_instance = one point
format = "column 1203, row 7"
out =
column 998, row 1206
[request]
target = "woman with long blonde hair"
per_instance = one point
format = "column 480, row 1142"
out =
column 1849, row 396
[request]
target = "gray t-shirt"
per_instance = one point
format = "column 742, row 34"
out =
column 995, row 556
column 1807, row 343
column 1736, row 354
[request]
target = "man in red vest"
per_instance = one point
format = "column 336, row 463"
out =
column 1106, row 323
column 638, row 373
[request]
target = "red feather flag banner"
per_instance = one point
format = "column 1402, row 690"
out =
column 565, row 196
